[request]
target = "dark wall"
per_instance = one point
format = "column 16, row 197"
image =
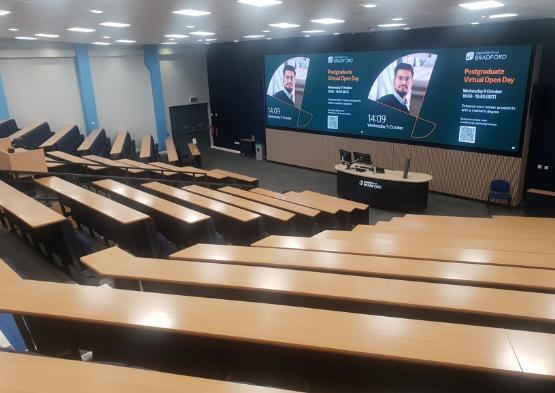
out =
column 236, row 77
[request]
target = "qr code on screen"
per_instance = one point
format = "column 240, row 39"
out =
column 333, row 122
column 467, row 134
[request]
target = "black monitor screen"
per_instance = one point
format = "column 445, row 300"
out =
column 346, row 156
column 363, row 158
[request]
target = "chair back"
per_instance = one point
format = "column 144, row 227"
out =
column 499, row 185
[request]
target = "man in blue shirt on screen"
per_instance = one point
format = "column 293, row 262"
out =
column 287, row 95
column 402, row 83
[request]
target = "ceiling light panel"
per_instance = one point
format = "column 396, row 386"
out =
column 284, row 25
column 115, row 24
column 496, row 16
column 81, row 29
column 260, row 3
column 4, row 12
column 126, row 41
column 44, row 35
column 176, row 36
column 327, row 21
column 101, row 43
column 203, row 33
column 189, row 12
column 255, row 36
column 481, row 5
column 26, row 38
column 392, row 25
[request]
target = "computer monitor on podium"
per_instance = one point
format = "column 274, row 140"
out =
column 362, row 158
column 346, row 156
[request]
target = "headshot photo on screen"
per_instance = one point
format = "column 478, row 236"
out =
column 402, row 84
column 289, row 81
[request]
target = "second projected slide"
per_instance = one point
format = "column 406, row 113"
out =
column 469, row 97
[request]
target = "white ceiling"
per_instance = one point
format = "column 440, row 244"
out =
column 151, row 19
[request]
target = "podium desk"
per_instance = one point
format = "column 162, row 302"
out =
column 387, row 190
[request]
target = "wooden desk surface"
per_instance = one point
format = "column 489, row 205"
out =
column 27, row 209
column 117, row 147
column 235, row 175
column 23, row 131
column 475, row 221
column 284, row 205
column 193, row 148
column 37, row 374
column 171, row 150
column 246, row 204
column 62, row 156
column 146, row 146
column 541, row 192
column 112, row 163
column 412, row 251
column 315, row 200
column 447, row 344
column 441, row 239
column 389, row 174
column 341, row 201
column 299, row 200
column 100, row 204
column 7, row 275
column 162, row 205
column 56, row 137
column 206, row 203
column 115, row 262
column 420, row 270
column 146, row 167
column 177, row 169
column 89, row 140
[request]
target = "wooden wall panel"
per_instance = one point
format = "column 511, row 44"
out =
column 455, row 172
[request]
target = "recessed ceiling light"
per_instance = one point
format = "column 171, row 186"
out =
column 266, row 31
column 115, row 24
column 313, row 31
column 176, row 36
column 81, row 29
column 397, row 19
column 481, row 5
column 406, row 28
column 328, row 21
column 255, row 36
column 192, row 12
column 260, row 3
column 126, row 41
column 369, row 5
column 284, row 25
column 3, row 12
column 26, row 38
column 392, row 25
column 307, row 35
column 97, row 11
column 169, row 43
column 235, row 40
column 474, row 23
column 210, row 39
column 13, row 29
column 202, row 33
column 336, row 33
column 190, row 26
column 47, row 35
column 268, row 38
column 101, row 43
column 106, row 37
column 502, row 16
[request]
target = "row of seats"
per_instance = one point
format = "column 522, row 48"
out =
column 246, row 313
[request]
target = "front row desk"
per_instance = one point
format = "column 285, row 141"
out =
column 388, row 190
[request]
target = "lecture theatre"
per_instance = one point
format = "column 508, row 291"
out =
column 266, row 196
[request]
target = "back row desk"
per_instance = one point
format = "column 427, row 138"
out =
column 66, row 139
column 412, row 251
column 115, row 323
column 7, row 127
column 77, row 164
column 171, row 151
column 239, row 178
column 154, row 170
column 31, row 137
column 129, row 228
column 329, row 217
column 117, row 167
column 186, row 174
column 179, row 224
column 440, row 239
column 276, row 221
column 367, row 295
column 122, row 147
column 38, row 374
column 491, row 276
column 96, row 143
column 305, row 219
column 148, row 149
column 236, row 225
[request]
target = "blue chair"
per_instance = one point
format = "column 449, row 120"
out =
column 500, row 190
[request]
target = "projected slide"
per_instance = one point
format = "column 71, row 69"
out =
column 461, row 98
